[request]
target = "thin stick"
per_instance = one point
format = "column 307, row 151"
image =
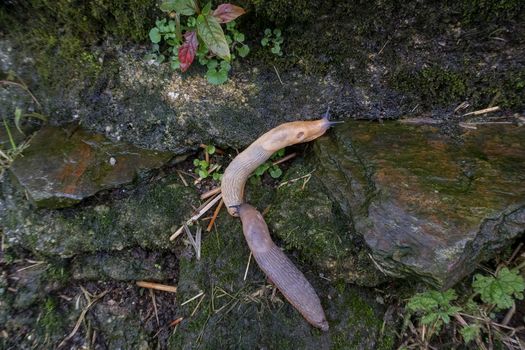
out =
column 380, row 51
column 214, row 217
column 516, row 251
column 182, row 178
column 509, row 315
column 81, row 318
column 23, row 86
column 197, row 216
column 278, row 76
column 31, row 266
column 294, row 180
column 247, row 266
column 211, row 193
column 483, row 111
column 176, row 321
column 198, row 241
column 157, row 286
column 192, row 299
column 198, row 304
column 285, row 158
column 152, row 294
column 190, row 237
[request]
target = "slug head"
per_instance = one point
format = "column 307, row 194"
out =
column 296, row 132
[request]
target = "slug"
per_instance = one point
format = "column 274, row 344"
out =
column 277, row 267
column 281, row 271
column 287, row 134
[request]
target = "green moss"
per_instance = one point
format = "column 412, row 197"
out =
column 50, row 325
column 60, row 34
column 437, row 86
column 487, row 11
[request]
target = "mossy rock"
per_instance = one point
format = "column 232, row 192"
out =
column 427, row 206
column 143, row 218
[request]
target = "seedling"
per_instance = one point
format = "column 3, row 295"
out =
column 274, row 170
column 273, row 40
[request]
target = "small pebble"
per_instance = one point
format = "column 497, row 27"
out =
column 112, row 161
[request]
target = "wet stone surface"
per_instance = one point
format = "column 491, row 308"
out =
column 427, row 205
column 63, row 166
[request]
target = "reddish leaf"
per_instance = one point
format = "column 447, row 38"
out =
column 187, row 50
column 227, row 12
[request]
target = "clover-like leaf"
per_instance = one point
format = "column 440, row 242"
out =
column 211, row 33
column 243, row 50
column 187, row 50
column 154, row 35
column 227, row 12
column 217, row 77
column 470, row 332
column 275, row 172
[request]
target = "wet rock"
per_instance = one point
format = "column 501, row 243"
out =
column 144, row 217
column 63, row 166
column 426, row 205
column 130, row 265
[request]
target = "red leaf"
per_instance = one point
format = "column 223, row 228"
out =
column 227, row 12
column 187, row 50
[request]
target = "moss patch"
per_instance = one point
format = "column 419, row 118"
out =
column 438, row 86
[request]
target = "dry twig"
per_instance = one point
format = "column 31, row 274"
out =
column 157, row 286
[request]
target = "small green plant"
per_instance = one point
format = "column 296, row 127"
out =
column 273, row 40
column 204, row 169
column 435, row 308
column 200, row 35
column 500, row 290
column 273, row 169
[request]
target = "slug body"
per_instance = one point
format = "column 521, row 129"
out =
column 287, row 134
column 282, row 272
column 277, row 267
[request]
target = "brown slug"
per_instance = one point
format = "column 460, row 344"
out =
column 277, row 267
column 287, row 134
column 281, row 271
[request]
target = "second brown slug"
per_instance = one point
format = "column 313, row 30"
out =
column 277, row 267
column 281, row 271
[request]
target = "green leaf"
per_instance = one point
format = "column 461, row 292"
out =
column 225, row 66
column 239, row 37
column 206, row 9
column 196, row 162
column 204, row 164
column 267, row 31
column 217, row 77
column 261, row 169
column 277, row 32
column 276, row 49
column 18, row 117
column 203, row 173
column 175, row 63
column 280, row 152
column 211, row 33
column 212, row 64
column 469, row 332
column 210, row 149
column 154, row 35
column 243, row 50
column 182, row 7
column 500, row 290
column 275, row 172
column 217, row 176
column 264, row 42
